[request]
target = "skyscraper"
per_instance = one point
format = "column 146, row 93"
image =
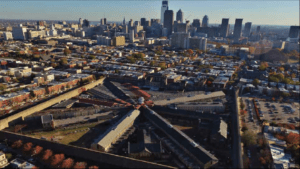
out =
column 143, row 21
column 80, row 21
column 104, row 21
column 224, row 27
column 237, row 29
column 196, row 23
column 169, row 21
column 179, row 16
column 257, row 29
column 247, row 29
column 294, row 32
column 124, row 22
column 86, row 23
column 164, row 7
column 130, row 23
column 205, row 21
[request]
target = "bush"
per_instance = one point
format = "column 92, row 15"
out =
column 8, row 156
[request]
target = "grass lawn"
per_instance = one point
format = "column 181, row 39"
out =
column 61, row 133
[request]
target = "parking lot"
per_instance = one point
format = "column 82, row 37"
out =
column 279, row 112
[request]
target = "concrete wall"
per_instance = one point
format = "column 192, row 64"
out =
column 237, row 147
column 5, row 122
column 83, row 153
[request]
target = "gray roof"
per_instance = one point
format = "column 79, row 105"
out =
column 46, row 118
column 196, row 150
column 219, row 126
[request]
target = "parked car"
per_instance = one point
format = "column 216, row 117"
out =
column 248, row 153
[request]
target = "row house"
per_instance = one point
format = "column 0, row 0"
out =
column 39, row 92
column 12, row 99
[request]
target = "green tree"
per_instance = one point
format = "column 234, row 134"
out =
column 152, row 63
column 32, row 94
column 249, row 138
column 255, row 82
column 63, row 61
column 67, row 52
column 162, row 65
column 92, row 56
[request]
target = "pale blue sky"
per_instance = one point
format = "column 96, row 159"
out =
column 265, row 12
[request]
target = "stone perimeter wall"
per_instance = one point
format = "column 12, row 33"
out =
column 5, row 122
column 83, row 153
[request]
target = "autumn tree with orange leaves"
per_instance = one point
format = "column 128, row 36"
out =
column 17, row 144
column 46, row 155
column 36, row 150
column 93, row 167
column 67, row 163
column 56, row 159
column 27, row 147
column 293, row 138
column 80, row 165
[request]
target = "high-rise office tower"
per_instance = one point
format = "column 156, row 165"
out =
column 80, row 21
column 86, row 23
column 104, row 21
column 164, row 7
column 196, row 23
column 179, row 16
column 137, row 23
column 237, row 29
column 247, row 29
column 224, row 27
column 169, row 21
column 294, row 32
column 155, row 21
column 205, row 21
column 143, row 21
column 182, row 27
column 147, row 23
column 124, row 22
column 130, row 23
column 257, row 29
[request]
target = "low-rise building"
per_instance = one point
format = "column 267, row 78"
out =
column 3, row 160
column 112, row 134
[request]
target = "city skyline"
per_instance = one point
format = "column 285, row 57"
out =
column 265, row 13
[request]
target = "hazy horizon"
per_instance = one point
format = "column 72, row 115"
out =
column 257, row 12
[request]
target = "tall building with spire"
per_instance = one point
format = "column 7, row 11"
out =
column 124, row 22
column 164, row 7
column 179, row 16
